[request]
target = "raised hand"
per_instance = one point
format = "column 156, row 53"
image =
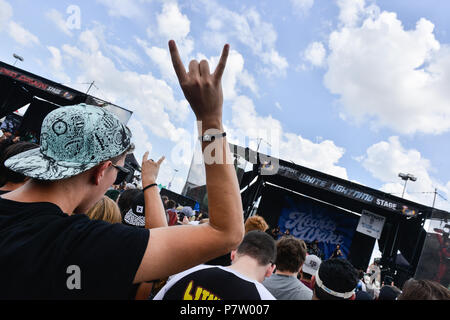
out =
column 202, row 89
column 150, row 170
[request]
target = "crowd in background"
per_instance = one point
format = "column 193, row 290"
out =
column 134, row 243
column 295, row 268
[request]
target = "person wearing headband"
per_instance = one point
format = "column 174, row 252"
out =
column 336, row 279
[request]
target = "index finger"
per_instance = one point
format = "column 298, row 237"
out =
column 145, row 157
column 222, row 62
column 176, row 61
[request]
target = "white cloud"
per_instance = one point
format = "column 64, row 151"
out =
column 161, row 58
column 172, row 24
column 14, row 29
column 89, row 40
column 6, row 13
column 302, row 6
column 151, row 99
column 246, row 122
column 127, row 54
column 140, row 138
column 315, row 54
column 399, row 159
column 57, row 18
column 249, row 29
column 234, row 74
column 122, row 8
column 21, row 35
column 387, row 75
column 386, row 159
column 350, row 11
column 56, row 65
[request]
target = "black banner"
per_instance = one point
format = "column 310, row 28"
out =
column 281, row 168
column 350, row 192
column 39, row 84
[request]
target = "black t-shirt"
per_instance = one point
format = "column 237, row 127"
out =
column 224, row 261
column 45, row 252
column 205, row 282
column 3, row 192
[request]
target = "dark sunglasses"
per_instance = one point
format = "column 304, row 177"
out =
column 121, row 174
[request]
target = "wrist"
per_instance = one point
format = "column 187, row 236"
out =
column 147, row 183
column 208, row 124
column 150, row 186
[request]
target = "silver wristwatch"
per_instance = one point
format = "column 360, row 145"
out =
column 212, row 137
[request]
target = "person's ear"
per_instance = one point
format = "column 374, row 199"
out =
column 233, row 255
column 100, row 171
column 269, row 270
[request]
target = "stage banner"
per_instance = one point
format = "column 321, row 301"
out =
column 36, row 82
column 310, row 221
column 371, row 224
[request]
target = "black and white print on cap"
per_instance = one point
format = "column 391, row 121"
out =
column 133, row 219
column 74, row 139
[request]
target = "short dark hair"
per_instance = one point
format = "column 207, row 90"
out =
column 291, row 254
column 338, row 275
column 389, row 293
column 424, row 290
column 7, row 175
column 125, row 200
column 170, row 204
column 260, row 246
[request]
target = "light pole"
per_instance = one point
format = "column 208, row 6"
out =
column 406, row 177
column 17, row 57
column 170, row 183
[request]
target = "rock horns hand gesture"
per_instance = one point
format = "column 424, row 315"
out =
column 150, row 170
column 202, row 89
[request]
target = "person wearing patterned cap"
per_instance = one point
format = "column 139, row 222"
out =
column 50, row 250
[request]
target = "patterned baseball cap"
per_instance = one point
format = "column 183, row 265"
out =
column 74, row 139
column 136, row 215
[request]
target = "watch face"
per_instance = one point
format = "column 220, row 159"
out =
column 206, row 137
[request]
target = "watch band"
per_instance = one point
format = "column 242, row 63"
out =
column 212, row 137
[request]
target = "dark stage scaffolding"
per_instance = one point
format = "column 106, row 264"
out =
column 298, row 198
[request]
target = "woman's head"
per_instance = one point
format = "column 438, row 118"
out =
column 255, row 223
column 106, row 210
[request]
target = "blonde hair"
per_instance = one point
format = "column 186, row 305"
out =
column 106, row 210
column 255, row 223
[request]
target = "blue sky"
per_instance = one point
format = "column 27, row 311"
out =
column 353, row 88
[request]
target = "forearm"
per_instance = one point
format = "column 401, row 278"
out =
column 155, row 215
column 224, row 198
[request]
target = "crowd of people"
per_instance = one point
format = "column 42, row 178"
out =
column 71, row 228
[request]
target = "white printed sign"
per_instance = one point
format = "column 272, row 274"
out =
column 371, row 224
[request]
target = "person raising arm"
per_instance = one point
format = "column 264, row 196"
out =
column 155, row 215
column 165, row 254
column 45, row 240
